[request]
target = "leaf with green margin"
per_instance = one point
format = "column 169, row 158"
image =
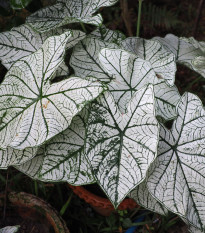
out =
column 143, row 197
column 162, row 61
column 68, row 11
column 63, row 157
column 188, row 51
column 121, row 147
column 11, row 157
column 108, row 35
column 31, row 109
column 23, row 41
column 85, row 61
column 9, row 229
column 176, row 176
column 131, row 73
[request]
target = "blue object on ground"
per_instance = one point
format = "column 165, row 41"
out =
column 132, row 229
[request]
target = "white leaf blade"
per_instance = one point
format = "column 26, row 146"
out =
column 130, row 73
column 143, row 197
column 162, row 61
column 121, row 148
column 64, row 12
column 188, row 51
column 9, row 229
column 12, row 157
column 85, row 61
column 26, row 105
column 176, row 175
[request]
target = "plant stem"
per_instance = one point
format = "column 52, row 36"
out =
column 83, row 27
column 63, row 209
column 139, row 17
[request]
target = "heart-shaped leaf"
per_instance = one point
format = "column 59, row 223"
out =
column 176, row 176
column 143, row 197
column 68, row 11
column 31, row 109
column 162, row 61
column 63, row 158
column 121, row 147
column 188, row 51
column 23, row 41
column 85, row 61
column 131, row 73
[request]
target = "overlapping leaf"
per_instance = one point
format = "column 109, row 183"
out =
column 188, row 51
column 68, row 11
column 85, row 60
column 108, row 35
column 23, row 41
column 11, row 157
column 162, row 61
column 9, row 229
column 63, row 157
column 33, row 111
column 143, row 197
column 177, row 176
column 130, row 73
column 121, row 147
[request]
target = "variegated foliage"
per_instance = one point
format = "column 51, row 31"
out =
column 131, row 72
column 31, row 109
column 121, row 147
column 188, row 51
column 23, row 41
column 9, row 229
column 63, row 157
column 68, row 11
column 176, row 178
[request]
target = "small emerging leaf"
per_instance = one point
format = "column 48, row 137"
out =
column 121, row 147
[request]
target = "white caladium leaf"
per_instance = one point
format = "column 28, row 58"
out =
column 32, row 167
column 108, row 35
column 63, row 158
column 131, row 73
column 9, row 229
column 195, row 230
column 176, row 176
column 31, row 109
column 85, row 61
column 162, row 61
column 68, row 11
column 188, row 51
column 121, row 147
column 167, row 99
column 23, row 41
column 11, row 157
column 143, row 197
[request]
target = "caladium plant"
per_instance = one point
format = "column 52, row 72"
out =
column 105, row 123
